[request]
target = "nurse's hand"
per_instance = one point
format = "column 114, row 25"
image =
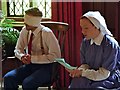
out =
column 74, row 72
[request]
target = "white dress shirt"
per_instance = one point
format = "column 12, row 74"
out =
column 50, row 44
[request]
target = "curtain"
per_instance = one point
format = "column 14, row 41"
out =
column 69, row 12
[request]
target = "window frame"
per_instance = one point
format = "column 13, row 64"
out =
column 19, row 19
column 7, row 12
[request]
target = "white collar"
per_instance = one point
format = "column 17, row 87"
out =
column 38, row 29
column 98, row 39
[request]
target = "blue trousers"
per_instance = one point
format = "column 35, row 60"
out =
column 30, row 76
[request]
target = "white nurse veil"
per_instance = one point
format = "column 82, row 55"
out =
column 98, row 20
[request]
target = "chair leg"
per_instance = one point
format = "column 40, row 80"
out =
column 57, row 84
column 1, row 84
column 49, row 87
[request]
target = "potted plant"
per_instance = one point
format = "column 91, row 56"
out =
column 9, row 37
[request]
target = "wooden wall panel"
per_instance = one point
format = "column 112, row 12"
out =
column 110, row 15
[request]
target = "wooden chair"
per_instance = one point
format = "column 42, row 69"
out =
column 59, row 29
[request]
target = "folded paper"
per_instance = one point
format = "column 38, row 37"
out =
column 66, row 65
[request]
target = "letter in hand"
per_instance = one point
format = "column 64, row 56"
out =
column 26, row 59
column 74, row 72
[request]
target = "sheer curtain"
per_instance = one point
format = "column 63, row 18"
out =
column 69, row 12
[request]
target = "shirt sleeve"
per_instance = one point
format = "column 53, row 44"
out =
column 98, row 75
column 21, row 43
column 53, row 49
column 83, row 67
column 91, row 74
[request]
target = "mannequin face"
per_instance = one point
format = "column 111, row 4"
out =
column 88, row 29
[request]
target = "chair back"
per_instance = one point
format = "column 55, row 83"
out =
column 60, row 29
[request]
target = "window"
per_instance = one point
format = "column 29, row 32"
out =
column 16, row 8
